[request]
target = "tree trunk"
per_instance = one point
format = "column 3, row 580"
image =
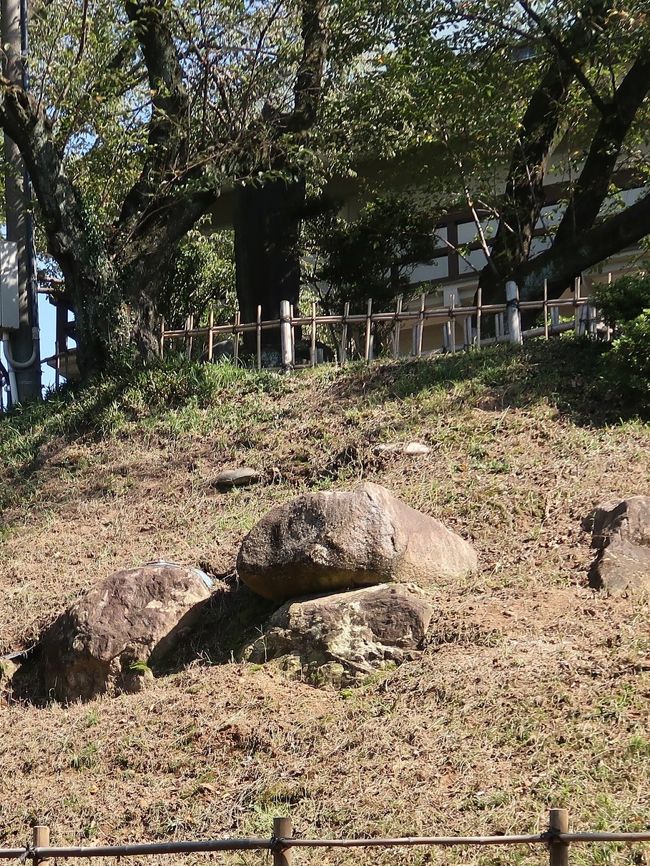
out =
column 267, row 229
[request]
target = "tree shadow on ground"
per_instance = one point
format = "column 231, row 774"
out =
column 567, row 373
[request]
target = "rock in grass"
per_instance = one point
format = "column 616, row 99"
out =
column 236, row 478
column 621, row 535
column 333, row 540
column 109, row 640
column 342, row 638
column 411, row 449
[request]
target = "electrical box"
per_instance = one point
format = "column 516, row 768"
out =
column 9, row 311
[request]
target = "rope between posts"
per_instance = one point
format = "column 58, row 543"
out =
column 277, row 844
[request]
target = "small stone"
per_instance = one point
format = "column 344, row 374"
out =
column 414, row 449
column 229, row 478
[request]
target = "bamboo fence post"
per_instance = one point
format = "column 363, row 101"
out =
column 312, row 348
column 558, row 850
column 545, row 309
column 235, row 339
column 258, row 329
column 282, row 829
column 190, row 340
column 555, row 317
column 513, row 313
column 368, row 330
column 467, row 321
column 423, row 301
column 609, row 282
column 40, row 839
column 576, row 298
column 344, row 333
column 479, row 314
column 285, row 334
column 210, row 335
column 452, row 325
column 57, row 362
column 162, row 338
column 397, row 328
column 294, row 313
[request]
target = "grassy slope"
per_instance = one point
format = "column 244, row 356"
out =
column 532, row 692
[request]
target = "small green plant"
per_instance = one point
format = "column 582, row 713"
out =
column 85, row 758
column 139, row 667
column 630, row 355
column 624, row 299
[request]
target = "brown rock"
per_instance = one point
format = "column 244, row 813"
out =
column 342, row 638
column 109, row 640
column 621, row 535
column 328, row 541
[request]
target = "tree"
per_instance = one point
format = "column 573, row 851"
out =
column 138, row 117
column 370, row 257
column 499, row 93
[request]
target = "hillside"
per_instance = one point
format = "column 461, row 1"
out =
column 533, row 690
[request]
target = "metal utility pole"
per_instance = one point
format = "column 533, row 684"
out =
column 24, row 346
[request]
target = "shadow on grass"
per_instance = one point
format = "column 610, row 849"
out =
column 232, row 617
column 35, row 433
column 567, row 373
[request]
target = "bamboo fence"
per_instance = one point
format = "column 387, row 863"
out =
column 507, row 327
column 556, row 838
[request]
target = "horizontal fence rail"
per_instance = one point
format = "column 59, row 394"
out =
column 505, row 319
column 556, row 838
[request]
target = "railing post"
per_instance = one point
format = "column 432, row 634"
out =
column 514, row 316
column 210, row 335
column 162, row 341
column 312, row 348
column 285, row 334
column 282, row 829
column 367, row 352
column 558, row 850
column 423, row 301
column 344, row 334
column 40, row 839
column 397, row 327
column 258, row 336
column 545, row 309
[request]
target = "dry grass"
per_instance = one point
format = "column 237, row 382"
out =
column 533, row 690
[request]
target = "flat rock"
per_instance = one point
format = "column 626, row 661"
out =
column 340, row 639
column 237, row 478
column 334, row 540
column 109, row 641
column 621, row 535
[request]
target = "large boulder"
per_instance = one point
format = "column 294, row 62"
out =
column 328, row 541
column 109, row 641
column 621, row 535
column 341, row 638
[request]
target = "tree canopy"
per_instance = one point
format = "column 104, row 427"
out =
column 142, row 115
